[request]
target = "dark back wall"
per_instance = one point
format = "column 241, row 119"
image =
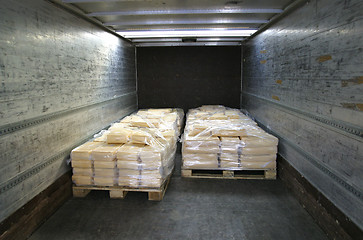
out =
column 188, row 77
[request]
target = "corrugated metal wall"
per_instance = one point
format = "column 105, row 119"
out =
column 303, row 80
column 62, row 79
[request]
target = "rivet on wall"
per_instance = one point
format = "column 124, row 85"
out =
column 275, row 97
column 324, row 58
column 352, row 82
column 353, row 106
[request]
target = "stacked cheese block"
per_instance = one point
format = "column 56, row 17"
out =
column 217, row 137
column 136, row 152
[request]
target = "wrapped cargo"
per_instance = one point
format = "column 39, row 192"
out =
column 137, row 152
column 220, row 138
column 82, row 164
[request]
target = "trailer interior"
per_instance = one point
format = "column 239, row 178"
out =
column 70, row 68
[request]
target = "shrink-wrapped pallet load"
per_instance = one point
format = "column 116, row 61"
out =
column 144, row 165
column 137, row 152
column 82, row 164
column 104, row 163
column 220, row 138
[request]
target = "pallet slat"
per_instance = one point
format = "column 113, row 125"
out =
column 116, row 192
column 268, row 174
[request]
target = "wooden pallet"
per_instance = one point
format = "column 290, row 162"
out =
column 154, row 194
column 268, row 174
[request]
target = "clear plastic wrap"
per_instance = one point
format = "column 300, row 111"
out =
column 137, row 152
column 82, row 163
column 141, row 165
column 217, row 137
column 101, row 136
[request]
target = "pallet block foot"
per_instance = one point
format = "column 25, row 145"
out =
column 186, row 173
column 118, row 194
column 156, row 196
column 80, row 192
column 228, row 174
column 270, row 174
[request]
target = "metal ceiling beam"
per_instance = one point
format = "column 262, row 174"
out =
column 288, row 10
column 185, row 11
column 183, row 22
column 79, row 13
column 182, row 27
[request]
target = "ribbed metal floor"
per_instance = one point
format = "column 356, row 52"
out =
column 191, row 209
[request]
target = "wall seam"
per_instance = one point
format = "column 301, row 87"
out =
column 356, row 131
column 13, row 127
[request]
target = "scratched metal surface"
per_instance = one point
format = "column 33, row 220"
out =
column 62, row 79
column 303, row 80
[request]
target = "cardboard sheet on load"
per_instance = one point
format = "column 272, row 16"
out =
column 104, row 172
column 229, row 164
column 81, row 163
column 104, row 181
column 129, row 135
column 128, row 182
column 201, row 145
column 105, row 164
column 82, row 171
column 105, row 152
column 140, row 174
column 82, row 180
column 118, row 135
column 128, row 172
column 83, row 152
column 230, row 145
column 138, row 165
column 141, row 153
column 217, row 137
column 200, row 160
column 229, row 157
column 151, row 183
column 247, row 165
column 260, row 140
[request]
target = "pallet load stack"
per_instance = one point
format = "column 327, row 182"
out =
column 220, row 138
column 137, row 152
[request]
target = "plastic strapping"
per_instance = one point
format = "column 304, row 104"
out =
column 139, row 168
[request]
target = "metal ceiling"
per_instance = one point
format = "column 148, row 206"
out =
column 182, row 22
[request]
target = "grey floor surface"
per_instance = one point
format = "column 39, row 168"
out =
column 191, row 209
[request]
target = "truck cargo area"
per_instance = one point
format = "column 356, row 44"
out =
column 115, row 76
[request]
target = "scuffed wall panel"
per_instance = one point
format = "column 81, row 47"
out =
column 302, row 79
column 62, row 80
